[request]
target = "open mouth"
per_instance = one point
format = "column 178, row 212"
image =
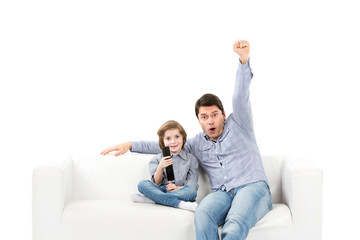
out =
column 212, row 130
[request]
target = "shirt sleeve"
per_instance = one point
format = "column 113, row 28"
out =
column 149, row 147
column 189, row 145
column 153, row 165
column 241, row 99
column 193, row 174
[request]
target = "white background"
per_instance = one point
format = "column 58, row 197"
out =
column 79, row 76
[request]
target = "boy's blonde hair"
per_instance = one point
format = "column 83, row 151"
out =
column 170, row 125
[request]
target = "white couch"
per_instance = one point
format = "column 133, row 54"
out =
column 88, row 198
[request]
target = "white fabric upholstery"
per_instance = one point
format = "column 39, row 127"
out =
column 88, row 198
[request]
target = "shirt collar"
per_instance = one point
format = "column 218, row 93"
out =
column 182, row 154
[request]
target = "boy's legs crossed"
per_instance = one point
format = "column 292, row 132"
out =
column 157, row 194
column 187, row 193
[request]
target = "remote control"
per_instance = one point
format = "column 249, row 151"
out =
column 169, row 169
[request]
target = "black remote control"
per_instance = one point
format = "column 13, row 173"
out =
column 169, row 169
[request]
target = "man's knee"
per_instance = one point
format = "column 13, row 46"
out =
column 202, row 218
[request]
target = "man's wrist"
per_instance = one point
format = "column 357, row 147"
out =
column 244, row 59
column 129, row 146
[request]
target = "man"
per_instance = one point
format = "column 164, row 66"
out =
column 228, row 152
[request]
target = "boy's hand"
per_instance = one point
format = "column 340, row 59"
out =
column 242, row 48
column 165, row 162
column 171, row 187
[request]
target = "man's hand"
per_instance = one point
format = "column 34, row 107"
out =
column 120, row 149
column 242, row 48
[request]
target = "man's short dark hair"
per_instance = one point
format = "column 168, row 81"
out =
column 208, row 100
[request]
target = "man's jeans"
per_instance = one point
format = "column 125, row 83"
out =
column 160, row 195
column 239, row 210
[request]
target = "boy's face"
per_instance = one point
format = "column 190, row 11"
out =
column 212, row 121
column 174, row 140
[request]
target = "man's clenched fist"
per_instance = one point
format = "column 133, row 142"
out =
column 242, row 48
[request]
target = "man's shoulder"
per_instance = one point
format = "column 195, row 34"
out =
column 197, row 139
column 232, row 122
column 193, row 143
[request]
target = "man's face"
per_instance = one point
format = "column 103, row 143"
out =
column 212, row 121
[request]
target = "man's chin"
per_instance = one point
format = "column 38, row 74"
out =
column 213, row 136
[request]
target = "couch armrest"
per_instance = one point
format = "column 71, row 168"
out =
column 302, row 192
column 52, row 187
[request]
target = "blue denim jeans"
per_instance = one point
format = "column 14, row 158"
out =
column 160, row 195
column 237, row 210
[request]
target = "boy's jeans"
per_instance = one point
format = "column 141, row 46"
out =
column 160, row 195
column 239, row 210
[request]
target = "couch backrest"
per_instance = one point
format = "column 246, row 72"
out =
column 109, row 177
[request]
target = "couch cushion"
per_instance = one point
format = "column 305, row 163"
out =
column 118, row 219
column 273, row 168
column 276, row 224
column 279, row 216
column 108, row 177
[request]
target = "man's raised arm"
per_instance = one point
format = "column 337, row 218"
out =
column 241, row 102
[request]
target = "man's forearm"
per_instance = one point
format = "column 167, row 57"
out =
column 150, row 147
column 241, row 103
column 242, row 84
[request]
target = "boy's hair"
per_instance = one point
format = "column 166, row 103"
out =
column 208, row 100
column 170, row 125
